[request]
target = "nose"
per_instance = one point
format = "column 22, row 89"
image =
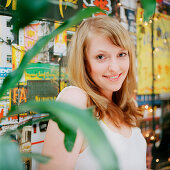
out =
column 114, row 65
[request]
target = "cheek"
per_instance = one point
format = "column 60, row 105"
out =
column 94, row 71
column 97, row 69
column 125, row 65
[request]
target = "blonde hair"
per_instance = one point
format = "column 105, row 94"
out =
column 122, row 107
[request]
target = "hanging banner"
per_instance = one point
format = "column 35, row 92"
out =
column 60, row 42
column 161, row 54
column 30, row 38
column 17, row 55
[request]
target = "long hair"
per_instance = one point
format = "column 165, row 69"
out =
column 122, row 107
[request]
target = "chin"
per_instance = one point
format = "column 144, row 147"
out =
column 116, row 89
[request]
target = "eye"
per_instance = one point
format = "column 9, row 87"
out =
column 100, row 57
column 123, row 54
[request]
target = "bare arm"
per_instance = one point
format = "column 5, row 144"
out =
column 54, row 140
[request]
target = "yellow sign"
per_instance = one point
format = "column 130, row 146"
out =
column 40, row 76
column 17, row 55
column 161, row 54
column 61, row 5
column 37, row 98
column 14, row 3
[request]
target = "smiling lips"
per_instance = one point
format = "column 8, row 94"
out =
column 113, row 78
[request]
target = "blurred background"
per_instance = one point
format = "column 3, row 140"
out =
column 46, row 74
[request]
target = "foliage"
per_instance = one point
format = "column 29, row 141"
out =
column 27, row 11
column 149, row 8
column 70, row 118
column 10, row 157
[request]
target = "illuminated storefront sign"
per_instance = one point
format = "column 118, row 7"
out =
column 19, row 95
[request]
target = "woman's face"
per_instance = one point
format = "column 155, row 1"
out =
column 108, row 64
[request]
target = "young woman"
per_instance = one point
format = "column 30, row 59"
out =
column 101, row 69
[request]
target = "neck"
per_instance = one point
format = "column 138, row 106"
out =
column 107, row 94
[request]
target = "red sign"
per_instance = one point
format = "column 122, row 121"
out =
column 102, row 4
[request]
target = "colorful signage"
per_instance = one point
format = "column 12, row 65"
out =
column 102, row 4
column 17, row 55
column 44, row 71
column 62, row 11
column 60, row 42
column 19, row 95
column 30, row 38
column 161, row 34
column 4, row 71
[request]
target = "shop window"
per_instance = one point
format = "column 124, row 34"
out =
column 29, row 136
column 43, row 126
column 9, row 59
column 8, row 23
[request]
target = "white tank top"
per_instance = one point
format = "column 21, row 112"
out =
column 131, row 152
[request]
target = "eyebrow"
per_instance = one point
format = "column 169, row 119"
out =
column 103, row 51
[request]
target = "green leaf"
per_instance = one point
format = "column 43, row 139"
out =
column 72, row 118
column 10, row 157
column 70, row 135
column 38, row 157
column 149, row 8
column 16, row 75
column 27, row 11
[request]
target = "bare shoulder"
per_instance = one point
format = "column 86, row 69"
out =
column 73, row 95
column 54, row 140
